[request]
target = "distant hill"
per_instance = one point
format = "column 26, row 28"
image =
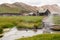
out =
column 51, row 8
column 17, row 7
column 8, row 8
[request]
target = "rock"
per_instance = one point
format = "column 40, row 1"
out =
column 56, row 27
column 1, row 35
column 6, row 29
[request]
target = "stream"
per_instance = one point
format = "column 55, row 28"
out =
column 15, row 34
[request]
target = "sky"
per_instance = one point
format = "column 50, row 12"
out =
column 33, row 2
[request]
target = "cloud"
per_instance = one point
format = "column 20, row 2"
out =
column 33, row 2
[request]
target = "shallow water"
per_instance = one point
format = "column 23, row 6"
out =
column 15, row 34
column 48, row 22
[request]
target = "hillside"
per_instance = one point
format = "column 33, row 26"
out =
column 51, row 8
column 4, row 8
column 17, row 8
column 25, row 7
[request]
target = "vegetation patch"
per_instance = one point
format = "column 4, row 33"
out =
column 43, row 37
column 6, row 9
column 56, row 20
column 20, row 21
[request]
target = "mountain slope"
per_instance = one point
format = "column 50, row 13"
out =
column 51, row 8
column 17, row 7
column 25, row 6
column 8, row 8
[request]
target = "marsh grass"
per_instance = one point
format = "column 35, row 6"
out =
column 56, row 20
column 20, row 21
column 43, row 37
